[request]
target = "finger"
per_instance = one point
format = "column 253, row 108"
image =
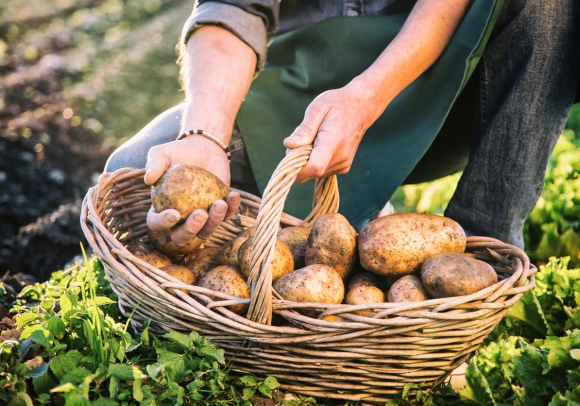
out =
column 233, row 201
column 157, row 164
column 161, row 221
column 317, row 164
column 216, row 216
column 306, row 132
column 184, row 233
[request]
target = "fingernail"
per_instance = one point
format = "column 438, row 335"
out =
column 170, row 217
column 199, row 217
column 220, row 208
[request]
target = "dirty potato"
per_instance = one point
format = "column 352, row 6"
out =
column 229, row 252
column 201, row 260
column 282, row 263
column 229, row 280
column 295, row 238
column 363, row 279
column 187, row 188
column 407, row 289
column 182, row 273
column 247, row 233
column 398, row 244
column 363, row 295
column 332, row 242
column 161, row 240
column 313, row 283
column 146, row 253
column 450, row 274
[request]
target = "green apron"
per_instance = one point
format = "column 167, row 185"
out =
column 327, row 55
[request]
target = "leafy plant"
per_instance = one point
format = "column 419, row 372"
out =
column 75, row 348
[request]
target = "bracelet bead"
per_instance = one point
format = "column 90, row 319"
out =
column 211, row 137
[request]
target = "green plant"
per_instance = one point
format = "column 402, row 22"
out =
column 75, row 348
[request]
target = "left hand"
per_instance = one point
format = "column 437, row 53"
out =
column 335, row 122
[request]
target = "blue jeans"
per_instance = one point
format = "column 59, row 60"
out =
column 524, row 88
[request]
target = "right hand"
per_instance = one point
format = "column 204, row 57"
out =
column 198, row 151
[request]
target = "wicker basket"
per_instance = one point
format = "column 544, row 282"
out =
column 360, row 358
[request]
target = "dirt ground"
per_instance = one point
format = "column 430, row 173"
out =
column 46, row 167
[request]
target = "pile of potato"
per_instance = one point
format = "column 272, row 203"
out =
column 403, row 257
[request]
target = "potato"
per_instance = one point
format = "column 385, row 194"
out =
column 363, row 279
column 182, row 273
column 248, row 232
column 161, row 240
column 407, row 289
column 332, row 242
column 146, row 253
column 313, row 283
column 295, row 238
column 229, row 280
column 365, row 294
column 187, row 188
column 450, row 274
column 229, row 252
column 282, row 263
column 201, row 260
column 398, row 244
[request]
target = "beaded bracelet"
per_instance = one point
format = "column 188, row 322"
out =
column 211, row 137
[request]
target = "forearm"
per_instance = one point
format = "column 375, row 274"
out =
column 419, row 44
column 218, row 68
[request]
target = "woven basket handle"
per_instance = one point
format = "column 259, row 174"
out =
column 267, row 222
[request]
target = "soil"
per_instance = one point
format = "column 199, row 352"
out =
column 46, row 167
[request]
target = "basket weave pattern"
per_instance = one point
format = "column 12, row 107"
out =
column 358, row 358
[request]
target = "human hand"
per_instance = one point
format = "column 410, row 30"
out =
column 335, row 122
column 204, row 153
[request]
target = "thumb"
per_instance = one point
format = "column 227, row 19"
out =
column 306, row 132
column 157, row 164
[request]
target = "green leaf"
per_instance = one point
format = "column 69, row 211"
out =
column 212, row 351
column 137, row 390
column 114, row 385
column 477, row 389
column 101, row 300
column 56, row 327
column 76, row 399
column 567, row 399
column 25, row 346
column 21, row 399
column 528, row 367
column 67, row 387
column 559, row 352
column 47, row 304
column 271, row 382
column 178, row 338
column 44, row 383
column 101, row 401
column 38, row 371
column 122, row 371
column 248, row 380
column 42, row 337
column 65, row 304
column 61, row 365
column 76, row 375
column 248, row 392
column 25, row 319
column 265, row 391
column 27, row 333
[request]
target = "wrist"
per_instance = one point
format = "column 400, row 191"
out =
column 373, row 90
column 209, row 146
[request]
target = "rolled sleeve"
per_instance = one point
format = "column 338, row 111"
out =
column 248, row 27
